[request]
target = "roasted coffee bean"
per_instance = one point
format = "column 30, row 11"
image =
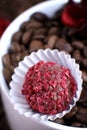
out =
column 51, row 41
column 71, row 113
column 38, row 37
column 77, row 124
column 53, row 31
column 7, row 74
column 62, row 44
column 77, row 55
column 19, row 57
column 59, row 121
column 84, row 61
column 24, row 25
column 14, row 61
column 27, row 36
column 17, row 36
column 40, row 31
column 85, row 51
column 36, row 45
column 81, row 115
column 84, row 75
column 78, row 44
column 25, row 53
column 39, row 17
column 15, row 47
column 6, row 60
column 83, row 97
column 34, row 24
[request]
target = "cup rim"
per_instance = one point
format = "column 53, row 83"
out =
column 11, row 29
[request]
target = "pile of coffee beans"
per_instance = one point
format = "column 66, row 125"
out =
column 41, row 32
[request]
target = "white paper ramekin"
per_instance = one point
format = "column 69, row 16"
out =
column 18, row 78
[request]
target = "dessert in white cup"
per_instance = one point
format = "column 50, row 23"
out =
column 16, row 121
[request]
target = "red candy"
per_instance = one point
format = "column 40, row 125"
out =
column 49, row 88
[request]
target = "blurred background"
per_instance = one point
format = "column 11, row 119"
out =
column 9, row 10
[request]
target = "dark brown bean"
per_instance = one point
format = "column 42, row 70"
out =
column 85, row 51
column 81, row 115
column 83, row 97
column 84, row 75
column 62, row 44
column 72, row 112
column 38, row 37
column 77, row 124
column 27, row 36
column 59, row 121
column 18, row 57
column 14, row 61
column 24, row 25
column 15, row 47
column 17, row 36
column 33, row 24
column 39, row 31
column 84, row 61
column 78, row 44
column 39, row 17
column 6, row 60
column 53, row 31
column 77, row 55
column 51, row 41
column 7, row 74
column 36, row 45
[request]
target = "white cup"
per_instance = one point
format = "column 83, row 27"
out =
column 15, row 120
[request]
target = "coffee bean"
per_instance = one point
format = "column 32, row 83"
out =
column 14, row 61
column 6, row 60
column 36, row 45
column 53, row 31
column 62, row 44
column 41, row 31
column 17, row 36
column 84, row 61
column 77, row 124
column 78, row 44
column 33, row 24
column 85, row 51
column 71, row 113
column 24, row 26
column 81, row 115
column 38, row 37
column 27, row 36
column 77, row 55
column 15, row 47
column 39, row 17
column 7, row 74
column 59, row 121
column 51, row 41
column 83, row 97
column 84, row 75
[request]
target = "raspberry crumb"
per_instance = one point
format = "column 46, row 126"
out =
column 49, row 88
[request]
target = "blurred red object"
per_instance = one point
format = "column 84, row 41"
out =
column 3, row 25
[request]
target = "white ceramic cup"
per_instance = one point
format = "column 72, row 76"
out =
column 15, row 120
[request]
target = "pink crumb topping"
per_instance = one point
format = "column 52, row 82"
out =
column 49, row 88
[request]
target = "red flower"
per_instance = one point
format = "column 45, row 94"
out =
column 3, row 25
column 75, row 15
